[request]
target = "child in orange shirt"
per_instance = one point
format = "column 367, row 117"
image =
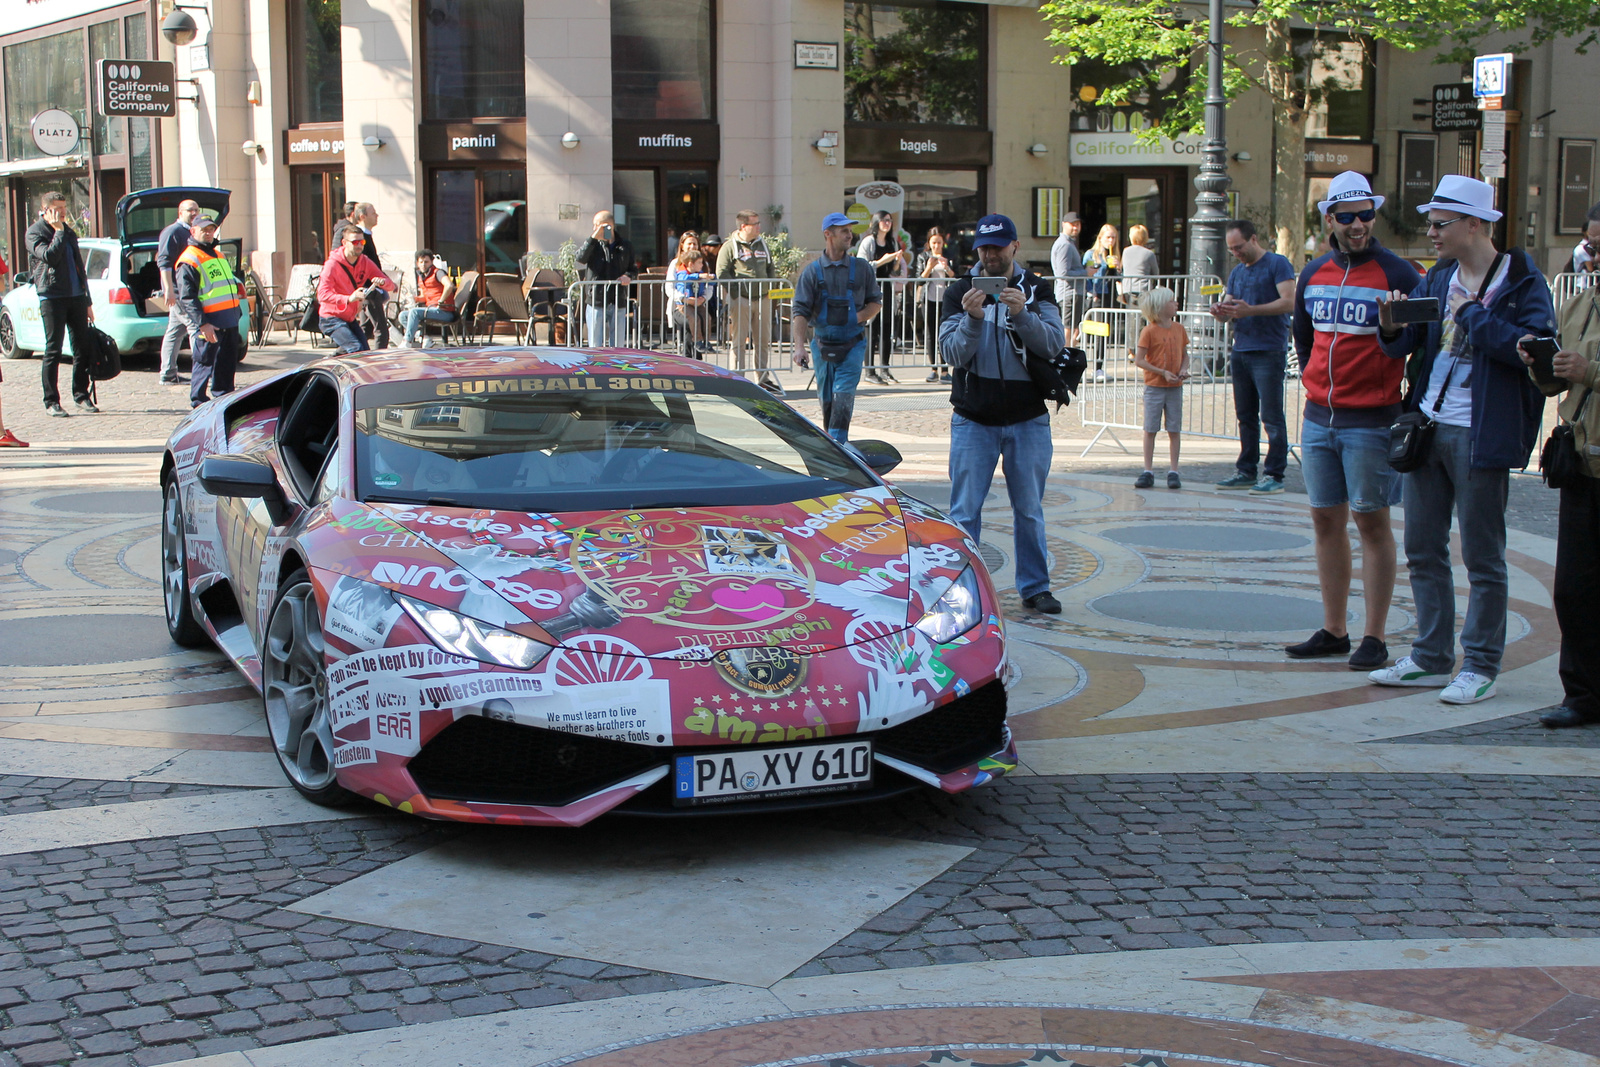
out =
column 1162, row 352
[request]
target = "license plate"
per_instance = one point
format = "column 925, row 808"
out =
column 721, row 777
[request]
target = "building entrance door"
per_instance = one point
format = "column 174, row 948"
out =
column 660, row 204
column 1152, row 197
column 478, row 217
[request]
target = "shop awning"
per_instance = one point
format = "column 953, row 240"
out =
column 42, row 166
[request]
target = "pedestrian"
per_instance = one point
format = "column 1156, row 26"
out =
column 999, row 414
column 7, row 438
column 1138, row 264
column 376, row 326
column 933, row 266
column 56, row 268
column 1066, row 263
column 883, row 248
column 433, row 298
column 607, row 258
column 348, row 279
column 209, row 298
column 1259, row 301
column 692, row 285
column 1352, row 388
column 1486, row 410
column 5, row 276
column 169, row 246
column 1162, row 352
column 834, row 299
column 1586, row 256
column 1577, row 577
column 1102, row 263
column 744, row 265
column 699, row 322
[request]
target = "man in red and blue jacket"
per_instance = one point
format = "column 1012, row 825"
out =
column 1352, row 392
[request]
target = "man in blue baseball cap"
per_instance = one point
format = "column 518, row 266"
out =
column 834, row 299
column 1000, row 415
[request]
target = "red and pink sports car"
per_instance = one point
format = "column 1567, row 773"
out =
column 534, row 585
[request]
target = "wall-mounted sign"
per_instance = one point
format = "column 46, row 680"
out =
column 1125, row 149
column 665, row 140
column 1491, row 75
column 55, row 133
column 439, row 143
column 816, row 55
column 1336, row 157
column 1454, row 108
column 1419, row 167
column 1577, row 185
column 867, row 146
column 313, row 146
column 1047, row 202
column 135, row 88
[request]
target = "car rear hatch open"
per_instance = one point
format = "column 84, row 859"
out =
column 141, row 217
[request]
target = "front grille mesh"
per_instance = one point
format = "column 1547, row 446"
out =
column 506, row 763
column 952, row 736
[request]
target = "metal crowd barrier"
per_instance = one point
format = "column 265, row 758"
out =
column 1566, row 285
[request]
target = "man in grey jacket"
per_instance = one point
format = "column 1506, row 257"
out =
column 999, row 414
column 1066, row 263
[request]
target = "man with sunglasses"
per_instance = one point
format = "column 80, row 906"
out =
column 1472, row 383
column 1352, row 393
column 347, row 281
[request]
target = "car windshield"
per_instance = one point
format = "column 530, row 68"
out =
column 595, row 442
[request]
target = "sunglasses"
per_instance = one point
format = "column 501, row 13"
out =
column 1435, row 225
column 1345, row 218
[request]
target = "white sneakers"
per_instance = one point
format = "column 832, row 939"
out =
column 1464, row 688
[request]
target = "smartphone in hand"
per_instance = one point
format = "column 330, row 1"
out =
column 990, row 286
column 1418, row 309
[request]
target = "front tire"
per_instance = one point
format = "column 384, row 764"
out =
column 181, row 622
column 294, row 686
column 8, row 339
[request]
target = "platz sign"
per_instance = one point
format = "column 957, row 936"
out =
column 136, row 88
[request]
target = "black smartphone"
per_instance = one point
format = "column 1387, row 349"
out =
column 1417, row 309
column 1543, row 350
column 992, row 286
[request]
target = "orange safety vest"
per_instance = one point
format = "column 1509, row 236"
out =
column 218, row 288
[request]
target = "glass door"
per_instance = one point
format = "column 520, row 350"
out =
column 1145, row 205
column 479, row 218
column 633, row 193
column 316, row 197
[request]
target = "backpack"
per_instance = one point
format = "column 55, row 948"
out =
column 105, row 360
column 1057, row 377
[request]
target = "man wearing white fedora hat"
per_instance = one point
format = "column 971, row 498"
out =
column 1472, row 383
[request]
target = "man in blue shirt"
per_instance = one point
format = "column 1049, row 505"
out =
column 834, row 299
column 1259, row 303
column 174, row 239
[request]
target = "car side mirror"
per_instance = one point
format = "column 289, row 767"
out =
column 880, row 456
column 250, row 479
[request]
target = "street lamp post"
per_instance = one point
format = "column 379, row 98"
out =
column 1206, row 236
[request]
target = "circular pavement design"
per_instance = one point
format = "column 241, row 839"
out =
column 110, row 502
column 8, row 556
column 1236, row 538
column 1204, row 609
column 73, row 640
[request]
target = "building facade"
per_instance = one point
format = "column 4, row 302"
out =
column 487, row 128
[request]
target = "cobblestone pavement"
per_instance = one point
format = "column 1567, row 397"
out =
column 1191, row 810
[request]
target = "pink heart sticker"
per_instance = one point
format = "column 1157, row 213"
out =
column 757, row 602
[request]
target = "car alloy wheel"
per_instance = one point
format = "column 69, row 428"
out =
column 8, row 339
column 294, row 685
column 181, row 623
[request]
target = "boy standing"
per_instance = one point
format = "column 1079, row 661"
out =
column 1162, row 352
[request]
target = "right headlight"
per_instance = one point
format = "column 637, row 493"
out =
column 954, row 613
column 466, row 636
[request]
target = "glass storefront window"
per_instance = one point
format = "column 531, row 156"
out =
column 635, row 194
column 141, row 150
column 480, row 218
column 472, row 59
column 316, row 83
column 80, row 204
column 661, row 59
column 1340, row 73
column 949, row 199
column 318, row 197
column 914, row 63
column 105, row 42
column 42, row 73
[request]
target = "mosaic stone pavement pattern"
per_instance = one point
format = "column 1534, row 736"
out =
column 1210, row 854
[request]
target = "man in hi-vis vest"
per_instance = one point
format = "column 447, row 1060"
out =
column 210, row 300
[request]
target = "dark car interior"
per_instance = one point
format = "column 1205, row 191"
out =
column 309, row 432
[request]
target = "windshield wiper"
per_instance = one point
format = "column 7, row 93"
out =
column 432, row 501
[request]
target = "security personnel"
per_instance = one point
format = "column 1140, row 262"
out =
column 209, row 300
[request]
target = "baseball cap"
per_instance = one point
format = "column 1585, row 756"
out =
column 1468, row 196
column 837, row 218
column 1069, row 216
column 1349, row 186
column 202, row 221
column 995, row 230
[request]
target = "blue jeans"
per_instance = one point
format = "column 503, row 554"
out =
column 608, row 326
column 836, row 388
column 412, row 319
column 1024, row 450
column 1257, row 399
column 1348, row 465
column 347, row 336
column 1448, row 482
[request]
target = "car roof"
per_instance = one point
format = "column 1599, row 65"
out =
column 402, row 365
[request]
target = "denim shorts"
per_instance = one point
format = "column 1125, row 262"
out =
column 1348, row 466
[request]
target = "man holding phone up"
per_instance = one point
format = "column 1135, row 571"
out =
column 348, row 279
column 1474, row 386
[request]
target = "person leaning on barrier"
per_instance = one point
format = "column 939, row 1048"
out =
column 1259, row 303
column 1066, row 263
column 999, row 414
column 1138, row 264
column 932, row 267
column 607, row 257
column 744, row 264
column 1577, row 578
column 834, row 299
column 1472, row 383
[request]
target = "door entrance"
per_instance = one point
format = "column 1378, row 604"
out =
column 660, row 204
column 1152, row 197
column 316, row 202
column 478, row 217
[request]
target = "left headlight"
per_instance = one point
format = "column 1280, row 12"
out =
column 956, row 612
column 476, row 640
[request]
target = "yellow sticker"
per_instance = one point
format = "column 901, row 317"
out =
column 1214, row 289
column 1095, row 329
column 781, row 294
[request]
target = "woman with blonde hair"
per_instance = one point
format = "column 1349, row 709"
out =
column 1137, row 262
column 1103, row 261
column 690, row 314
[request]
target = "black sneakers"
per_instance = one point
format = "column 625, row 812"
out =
column 1371, row 655
column 1321, row 643
column 1043, row 603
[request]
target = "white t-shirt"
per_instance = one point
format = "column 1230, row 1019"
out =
column 1454, row 360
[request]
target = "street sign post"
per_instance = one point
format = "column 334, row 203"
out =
column 142, row 89
column 1491, row 75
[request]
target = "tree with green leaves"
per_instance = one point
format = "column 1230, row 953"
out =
column 1298, row 69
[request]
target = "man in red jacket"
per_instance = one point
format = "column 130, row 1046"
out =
column 1352, row 392
column 348, row 279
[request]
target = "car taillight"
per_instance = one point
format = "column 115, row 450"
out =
column 121, row 295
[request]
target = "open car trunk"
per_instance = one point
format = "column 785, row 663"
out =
column 141, row 217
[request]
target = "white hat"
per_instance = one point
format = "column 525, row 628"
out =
column 1349, row 186
column 1468, row 196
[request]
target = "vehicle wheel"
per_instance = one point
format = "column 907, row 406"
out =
column 294, row 684
column 181, row 623
column 8, row 339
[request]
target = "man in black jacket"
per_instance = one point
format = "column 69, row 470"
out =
column 999, row 414
column 607, row 257
column 56, row 267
